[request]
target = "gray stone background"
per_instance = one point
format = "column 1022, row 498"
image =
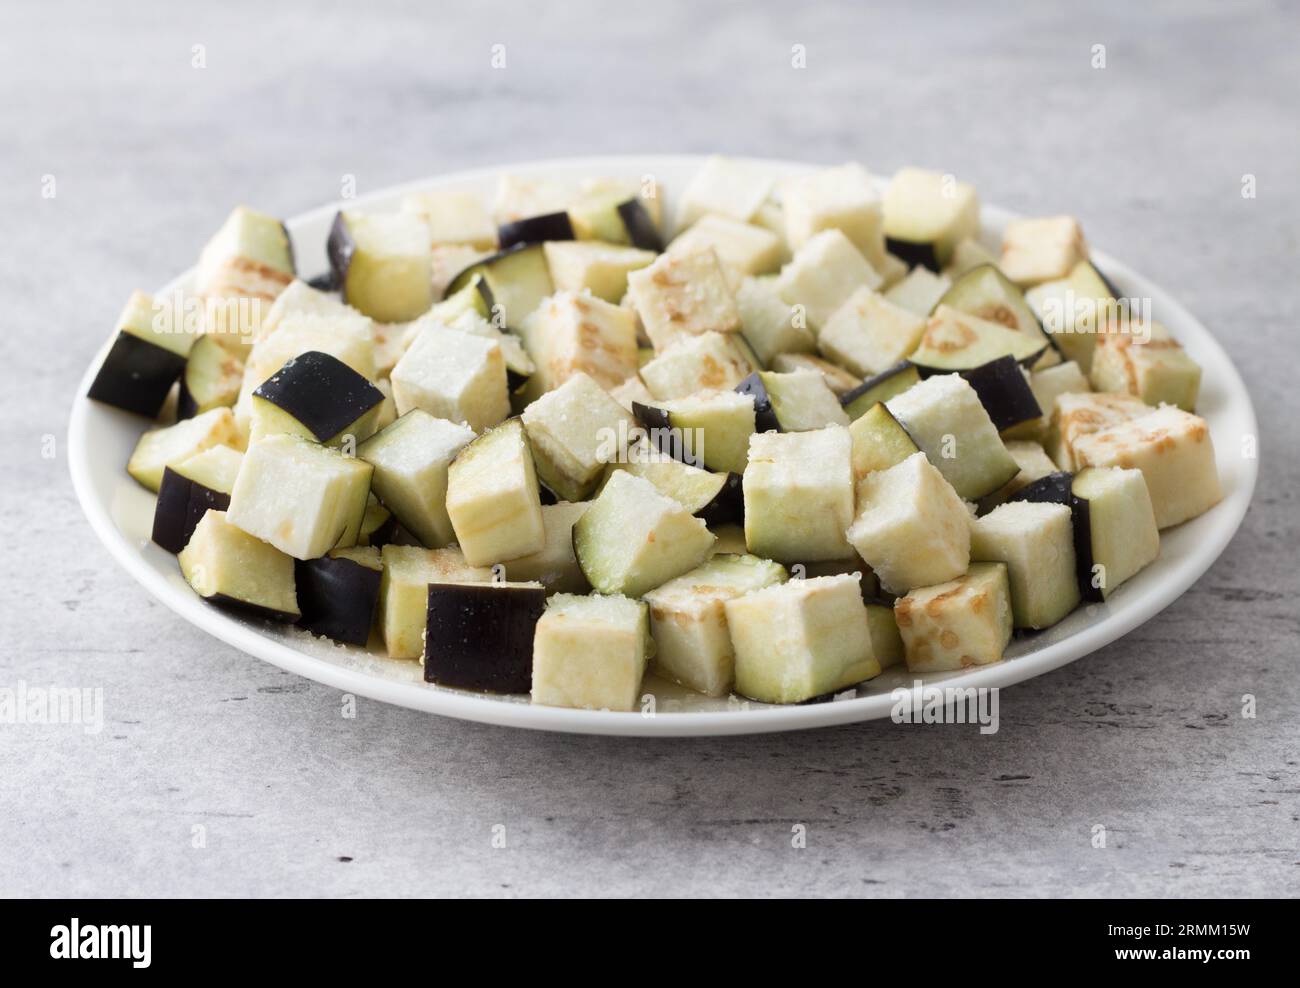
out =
column 1145, row 738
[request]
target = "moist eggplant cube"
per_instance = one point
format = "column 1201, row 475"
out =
column 712, row 428
column 688, row 620
column 930, row 211
column 879, row 442
column 1154, row 368
column 144, row 361
column 251, row 256
column 212, row 378
column 822, row 275
column 1175, row 453
column 339, row 593
column 316, row 396
column 1036, row 542
column 573, row 432
column 801, row 400
column 633, row 538
column 801, row 639
column 493, row 499
column 768, row 321
column 303, row 498
column 955, row 625
column 454, row 376
column 742, row 247
column 700, row 492
column 590, row 266
column 955, row 340
column 453, row 218
column 591, row 652
column 384, row 263
column 911, row 527
column 869, row 334
column 1078, row 415
column 571, row 333
column 919, row 292
column 188, row 490
column 378, row 526
column 1043, row 249
column 231, row 568
column 404, row 592
column 727, row 187
column 411, row 459
column 480, row 636
column 1117, row 526
column 709, row 362
column 799, row 495
column 555, row 565
column 1047, row 385
column 1004, row 391
column 1075, row 310
column 300, row 298
column 945, row 418
column 683, row 294
column 883, row 386
column 842, row 198
column 161, row 448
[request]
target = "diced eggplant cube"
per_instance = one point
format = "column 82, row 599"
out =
column 158, row 449
column 1117, row 526
column 632, row 392
column 799, row 495
column 822, row 275
column 1036, row 542
column 682, row 295
column 926, row 214
column 840, row 381
column 1075, row 309
column 535, row 229
column 869, row 334
column 1042, row 249
column 144, row 361
column 708, row 362
column 591, row 652
column 711, row 496
column 574, row 431
column 404, row 592
column 731, row 188
column 955, row 340
column 955, row 625
column 378, row 526
column 189, row 489
column 212, row 378
column 517, row 197
column 480, row 636
column 411, row 459
column 453, row 217
column 316, row 396
column 303, row 498
column 879, row 388
column 768, row 321
column 911, row 527
column 454, row 376
column 633, row 538
column 1150, row 365
column 1175, row 453
column 1003, row 389
column 1034, row 465
column 688, row 620
column 493, row 499
column 919, row 292
column 591, row 266
column 384, row 263
column 251, row 256
column 711, row 428
column 555, row 565
column 571, row 333
column 842, row 198
column 967, row 255
column 231, row 568
column 742, row 247
column 339, row 593
column 945, row 418
column 987, row 294
column 879, row 442
column 800, row 401
column 1047, row 385
column 801, row 639
column 886, row 642
column 1078, row 415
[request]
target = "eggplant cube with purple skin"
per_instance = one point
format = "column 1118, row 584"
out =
column 338, row 593
column 227, row 566
column 591, row 652
column 480, row 636
column 158, row 449
column 188, row 489
column 251, row 256
column 146, row 358
column 455, row 376
column 319, row 397
column 384, row 263
column 708, row 362
column 574, row 431
column 493, row 498
column 404, row 592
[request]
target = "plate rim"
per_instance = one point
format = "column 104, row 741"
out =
column 664, row 723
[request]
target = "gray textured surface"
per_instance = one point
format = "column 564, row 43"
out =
column 1144, row 738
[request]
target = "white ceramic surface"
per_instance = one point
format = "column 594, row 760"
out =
column 101, row 439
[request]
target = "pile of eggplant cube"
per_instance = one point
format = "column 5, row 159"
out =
column 542, row 448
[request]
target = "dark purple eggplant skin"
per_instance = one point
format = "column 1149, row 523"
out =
column 641, row 229
column 765, row 419
column 321, row 392
column 535, row 230
column 853, row 394
column 326, row 281
column 728, row 507
column 187, row 405
column 480, row 637
column 181, row 505
column 136, row 376
column 339, row 248
column 458, row 282
column 912, row 254
column 1004, row 392
column 293, row 259
column 337, row 598
column 666, row 437
column 229, row 603
column 1058, row 488
column 545, row 495
column 382, row 535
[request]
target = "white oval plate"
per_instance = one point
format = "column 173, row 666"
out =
column 121, row 513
